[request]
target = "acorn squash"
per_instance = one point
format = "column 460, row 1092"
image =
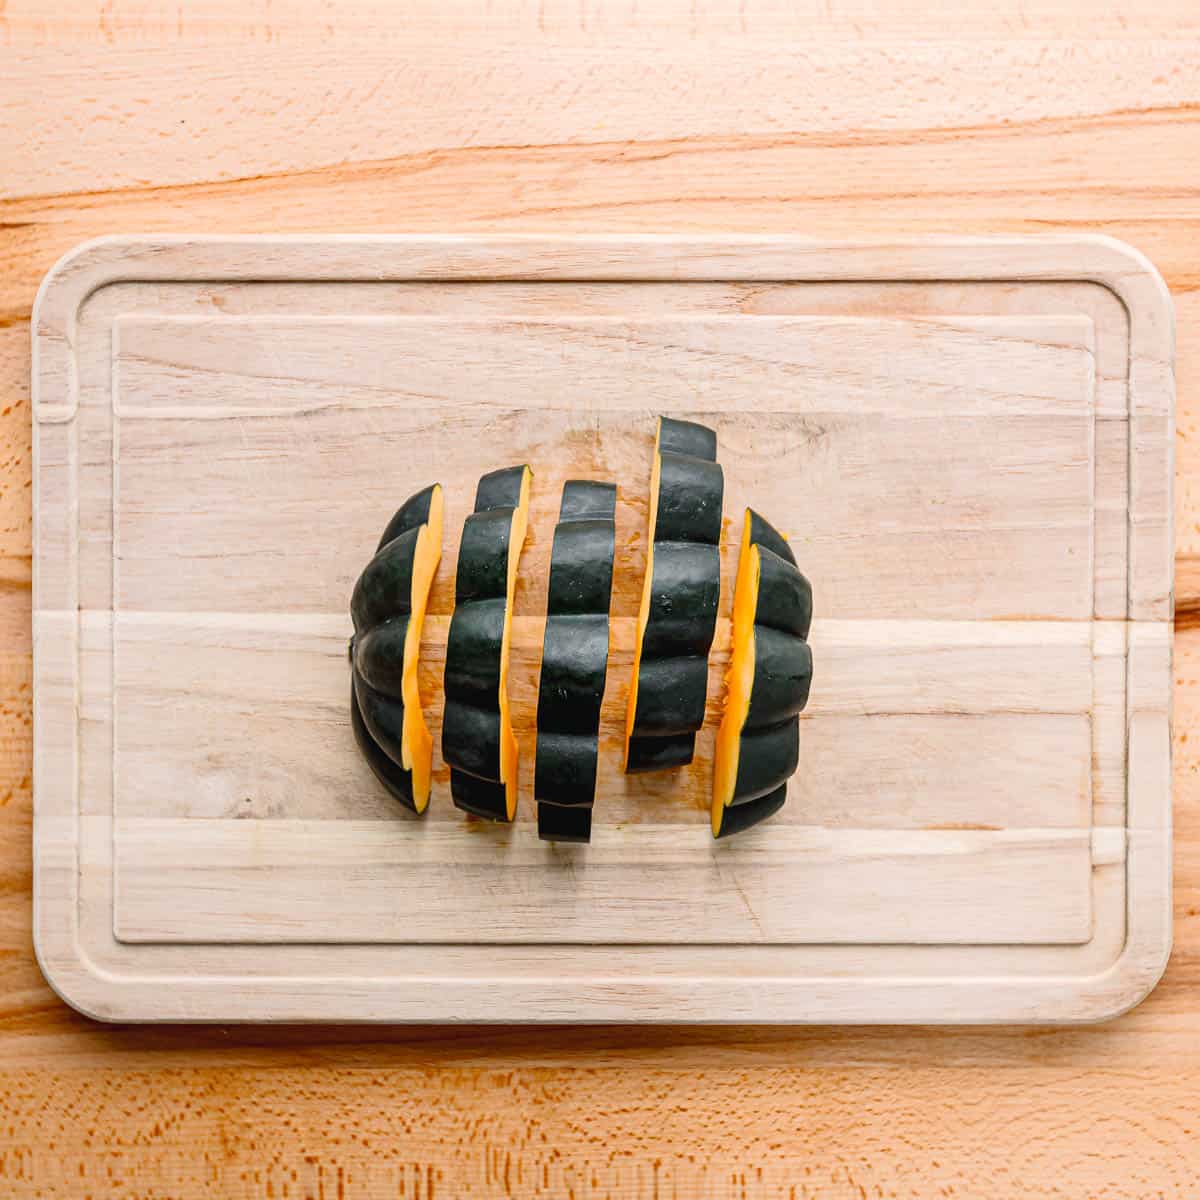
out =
column 680, row 592
column 574, row 660
column 767, row 683
column 478, row 742
column 388, row 612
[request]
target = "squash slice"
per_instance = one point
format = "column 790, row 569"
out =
column 478, row 742
column 574, row 660
column 766, row 685
column 388, row 611
column 680, row 593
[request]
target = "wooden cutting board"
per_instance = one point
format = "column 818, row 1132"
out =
column 969, row 443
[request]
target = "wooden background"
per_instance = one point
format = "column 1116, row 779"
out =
column 820, row 116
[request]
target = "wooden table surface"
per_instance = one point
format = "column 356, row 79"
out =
column 826, row 117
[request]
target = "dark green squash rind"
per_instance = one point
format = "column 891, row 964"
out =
column 685, row 594
column 587, row 499
column 690, row 494
column 499, row 489
column 685, row 588
column 565, row 772
column 768, row 758
column 647, row 754
column 384, row 588
column 472, row 673
column 395, row 779
column 687, row 437
column 412, row 514
column 480, row 797
column 471, row 682
column 471, row 739
column 764, row 535
column 378, row 654
column 383, row 717
column 740, row 817
column 784, row 595
column 558, row 824
column 782, row 677
column 574, row 658
column 671, row 696
column 574, row 667
column 483, row 557
column 581, row 567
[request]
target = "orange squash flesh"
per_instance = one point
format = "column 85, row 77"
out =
column 417, row 742
column 739, row 680
column 647, row 590
column 509, row 760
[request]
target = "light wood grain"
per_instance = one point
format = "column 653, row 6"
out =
column 863, row 411
column 876, row 887
column 1024, row 689
column 1092, row 1112
column 180, row 458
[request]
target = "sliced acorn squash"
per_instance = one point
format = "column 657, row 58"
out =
column 680, row 593
column 388, row 611
column 574, row 660
column 478, row 742
column 767, row 684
